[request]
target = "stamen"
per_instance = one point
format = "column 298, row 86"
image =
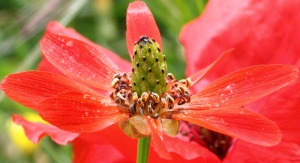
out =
column 178, row 90
column 132, row 109
column 148, row 103
column 155, row 116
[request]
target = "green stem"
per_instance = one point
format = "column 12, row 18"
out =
column 143, row 150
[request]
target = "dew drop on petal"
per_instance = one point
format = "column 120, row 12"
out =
column 69, row 43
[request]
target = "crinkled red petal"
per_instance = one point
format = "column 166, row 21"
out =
column 140, row 22
column 196, row 77
column 157, row 137
column 128, row 147
column 96, row 152
column 115, row 137
column 81, row 111
column 31, row 87
column 239, row 123
column 35, row 131
column 244, row 86
column 79, row 60
column 190, row 151
column 55, row 27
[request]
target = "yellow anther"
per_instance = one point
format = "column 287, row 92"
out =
column 144, row 96
column 155, row 97
column 114, row 82
column 170, row 76
column 134, row 96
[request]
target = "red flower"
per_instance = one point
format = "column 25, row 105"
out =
column 263, row 32
column 73, row 103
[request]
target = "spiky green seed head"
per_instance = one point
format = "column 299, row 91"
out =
column 149, row 67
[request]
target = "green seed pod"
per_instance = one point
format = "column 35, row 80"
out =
column 149, row 67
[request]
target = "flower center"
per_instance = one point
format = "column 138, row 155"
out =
column 216, row 142
column 148, row 91
column 148, row 103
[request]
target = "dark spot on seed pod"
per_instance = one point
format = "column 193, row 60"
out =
column 143, row 78
column 143, row 37
column 158, row 49
column 149, row 70
column 132, row 69
column 164, row 58
column 153, row 40
column 141, row 46
column 157, row 81
column 134, row 83
column 163, row 70
column 156, row 59
column 149, row 50
column 144, row 58
column 135, row 52
column 137, row 64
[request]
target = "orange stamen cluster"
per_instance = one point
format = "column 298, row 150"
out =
column 148, row 103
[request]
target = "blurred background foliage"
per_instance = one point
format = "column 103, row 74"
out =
column 22, row 24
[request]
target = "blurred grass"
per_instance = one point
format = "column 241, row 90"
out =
column 103, row 21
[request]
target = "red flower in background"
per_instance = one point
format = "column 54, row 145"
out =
column 105, row 139
column 263, row 32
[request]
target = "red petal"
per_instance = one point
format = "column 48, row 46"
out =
column 191, row 151
column 36, row 131
column 196, row 77
column 140, row 22
column 45, row 65
column 244, row 86
column 157, row 139
column 263, row 32
column 31, row 87
column 282, row 108
column 239, row 123
column 79, row 60
column 114, row 136
column 55, row 27
column 80, row 112
column 128, row 147
column 94, row 152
